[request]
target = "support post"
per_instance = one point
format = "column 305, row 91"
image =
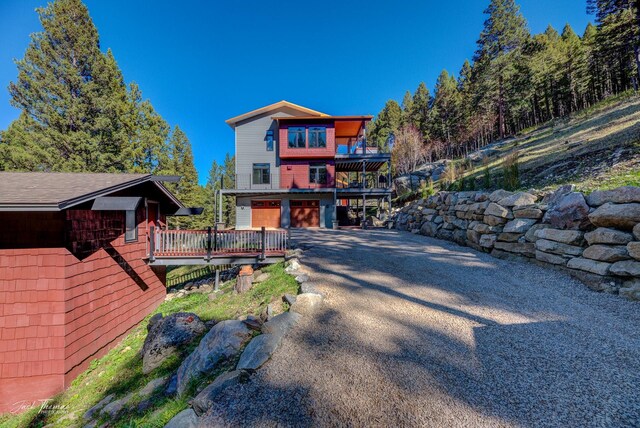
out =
column 364, row 174
column 217, row 282
column 364, row 211
column 209, row 243
column 215, row 237
column 264, row 243
column 388, row 174
column 220, row 205
column 152, row 242
column 289, row 238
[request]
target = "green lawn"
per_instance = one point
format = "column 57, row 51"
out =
column 120, row 371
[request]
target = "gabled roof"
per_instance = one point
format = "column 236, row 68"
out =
column 232, row 122
column 55, row 191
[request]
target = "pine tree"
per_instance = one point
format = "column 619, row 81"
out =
column 229, row 182
column 407, row 108
column 216, row 173
column 420, row 110
column 445, row 112
column 180, row 163
column 386, row 123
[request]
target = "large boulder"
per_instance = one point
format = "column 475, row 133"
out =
column 551, row 258
column 519, row 225
column 205, row 399
column 527, row 211
column 603, row 235
column 620, row 216
column 570, row 211
column 571, row 237
column 222, row 342
column 520, row 198
column 258, row 351
column 499, row 194
column 281, row 324
column 626, row 268
column 185, row 419
column 588, row 265
column 167, row 335
column 525, row 249
column 633, row 248
column 558, row 248
column 498, row 211
column 487, row 241
column 307, row 303
column 621, row 195
column 606, row 253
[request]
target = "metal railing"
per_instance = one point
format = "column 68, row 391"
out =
column 212, row 242
column 275, row 181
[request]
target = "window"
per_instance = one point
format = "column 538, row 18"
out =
column 297, row 138
column 318, row 173
column 270, row 140
column 130, row 227
column 261, row 173
column 318, row 136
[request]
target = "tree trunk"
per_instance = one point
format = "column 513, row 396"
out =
column 501, row 107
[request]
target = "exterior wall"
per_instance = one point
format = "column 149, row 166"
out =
column 295, row 174
column 251, row 147
column 61, row 307
column 327, row 208
column 307, row 153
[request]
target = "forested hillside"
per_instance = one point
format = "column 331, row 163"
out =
column 78, row 114
column 515, row 81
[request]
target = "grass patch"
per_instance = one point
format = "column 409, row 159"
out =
column 120, row 371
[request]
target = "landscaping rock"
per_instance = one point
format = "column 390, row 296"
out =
column 205, row 399
column 558, row 248
column 636, row 231
column 620, row 216
column 631, row 289
column 499, row 194
column 527, row 212
column 509, row 237
column 603, row 235
column 289, row 299
column 93, row 412
column 302, row 278
column 551, row 258
column 262, row 277
column 571, row 237
column 606, row 253
column 487, row 241
column 493, row 220
column 621, row 195
column 633, row 248
column 185, row 419
column 167, row 336
column 115, row 407
column 626, row 268
column 258, row 351
column 152, row 386
column 222, row 342
column 254, row 323
column 153, row 321
column 521, row 198
column 525, row 249
column 530, row 235
column 281, row 324
column 307, row 303
column 519, row 225
column 588, row 265
column 569, row 212
column 267, row 313
column 498, row 211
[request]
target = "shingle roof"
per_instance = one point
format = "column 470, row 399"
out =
column 54, row 191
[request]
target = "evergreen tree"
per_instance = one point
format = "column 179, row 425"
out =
column 445, row 112
column 387, row 122
column 180, row 163
column 420, row 110
column 407, row 108
column 229, row 182
column 216, row 173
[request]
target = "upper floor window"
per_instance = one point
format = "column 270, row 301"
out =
column 297, row 137
column 270, row 140
column 317, row 136
column 318, row 173
column 261, row 173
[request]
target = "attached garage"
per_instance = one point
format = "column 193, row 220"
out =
column 265, row 214
column 305, row 213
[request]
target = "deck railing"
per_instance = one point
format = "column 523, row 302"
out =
column 212, row 242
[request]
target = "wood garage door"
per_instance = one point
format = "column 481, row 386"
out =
column 265, row 214
column 305, row 213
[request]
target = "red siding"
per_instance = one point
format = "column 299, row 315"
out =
column 295, row 175
column 308, row 153
column 62, row 307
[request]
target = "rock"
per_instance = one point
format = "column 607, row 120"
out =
column 493, row 220
column 520, row 198
column 222, row 342
column 167, row 336
column 152, row 386
column 527, row 212
column 302, row 278
column 621, row 195
column 93, row 412
column 153, row 321
column 620, row 216
column 213, row 296
column 267, row 313
column 307, row 303
column 115, row 407
column 293, row 265
column 498, row 211
column 185, row 419
column 487, row 241
column 289, row 299
column 281, row 324
column 571, row 237
column 254, row 323
column 603, row 235
column 588, row 265
column 171, row 388
column 633, row 248
column 530, row 235
column 509, row 237
column 631, row 289
column 485, row 228
column 636, row 231
column 205, row 399
column 499, row 194
column 473, row 236
column 553, row 197
column 258, row 351
column 551, row 258
column 262, row 277
column 519, row 225
column 428, row 229
column 626, row 268
column 293, row 254
column 606, row 253
column 525, row 249
column 558, row 248
column 569, row 212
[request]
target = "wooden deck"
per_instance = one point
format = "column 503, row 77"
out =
column 216, row 247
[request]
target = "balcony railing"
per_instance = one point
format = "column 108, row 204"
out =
column 212, row 243
column 360, row 147
column 300, row 181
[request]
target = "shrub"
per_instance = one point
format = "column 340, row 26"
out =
column 511, row 172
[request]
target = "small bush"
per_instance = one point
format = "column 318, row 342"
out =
column 511, row 172
column 486, row 178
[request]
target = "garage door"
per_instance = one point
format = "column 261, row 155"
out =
column 305, row 213
column 265, row 214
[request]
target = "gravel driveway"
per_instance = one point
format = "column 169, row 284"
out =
column 420, row 332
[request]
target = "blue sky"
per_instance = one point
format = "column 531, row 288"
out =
column 201, row 62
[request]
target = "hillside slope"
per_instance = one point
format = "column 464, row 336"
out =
column 598, row 148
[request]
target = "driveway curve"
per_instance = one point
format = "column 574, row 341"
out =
column 420, row 332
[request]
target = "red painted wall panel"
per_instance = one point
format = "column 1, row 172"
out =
column 307, row 153
column 295, row 174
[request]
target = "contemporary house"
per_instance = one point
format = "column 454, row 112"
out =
column 73, row 272
column 297, row 167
